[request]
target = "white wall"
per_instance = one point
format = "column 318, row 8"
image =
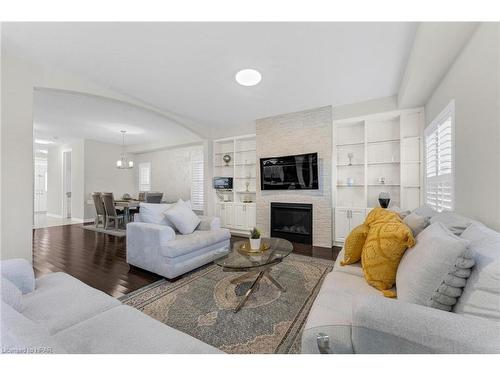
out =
column 369, row 107
column 54, row 181
column 170, row 171
column 102, row 175
column 473, row 82
column 19, row 78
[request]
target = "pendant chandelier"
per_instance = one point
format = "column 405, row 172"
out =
column 123, row 162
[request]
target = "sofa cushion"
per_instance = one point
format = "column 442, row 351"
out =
column 19, row 335
column 387, row 240
column 154, row 213
column 11, row 295
column 427, row 272
column 481, row 295
column 416, row 223
column 183, row 217
column 354, row 245
column 425, row 211
column 187, row 243
column 125, row 330
column 352, row 269
column 20, row 273
column 454, row 222
column 60, row 301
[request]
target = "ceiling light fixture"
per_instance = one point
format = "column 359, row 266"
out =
column 43, row 141
column 248, row 77
column 123, row 162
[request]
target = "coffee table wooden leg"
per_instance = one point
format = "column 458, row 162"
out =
column 275, row 282
column 249, row 292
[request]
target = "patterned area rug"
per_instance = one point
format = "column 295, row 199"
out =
column 201, row 304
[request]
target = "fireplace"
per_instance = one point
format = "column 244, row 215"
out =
column 292, row 221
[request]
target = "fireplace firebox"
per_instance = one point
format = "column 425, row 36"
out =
column 292, row 221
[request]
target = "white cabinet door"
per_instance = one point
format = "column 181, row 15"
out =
column 357, row 217
column 229, row 215
column 250, row 215
column 341, row 224
column 239, row 216
column 220, row 213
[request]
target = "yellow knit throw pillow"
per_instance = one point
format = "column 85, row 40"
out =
column 354, row 245
column 387, row 240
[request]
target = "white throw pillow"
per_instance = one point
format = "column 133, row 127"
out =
column 425, row 211
column 434, row 271
column 183, row 217
column 481, row 295
column 154, row 213
column 454, row 222
column 11, row 294
column 416, row 223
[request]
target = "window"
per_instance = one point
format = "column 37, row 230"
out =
column 145, row 176
column 197, row 182
column 439, row 161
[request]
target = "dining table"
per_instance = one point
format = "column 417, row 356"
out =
column 126, row 206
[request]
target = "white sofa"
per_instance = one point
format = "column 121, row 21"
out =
column 349, row 316
column 160, row 249
column 60, row 314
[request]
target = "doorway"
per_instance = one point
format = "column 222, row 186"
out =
column 67, row 184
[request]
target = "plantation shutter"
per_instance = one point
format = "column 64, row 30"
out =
column 145, row 177
column 197, row 183
column 439, row 189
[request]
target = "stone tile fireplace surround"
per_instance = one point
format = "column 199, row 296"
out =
column 298, row 133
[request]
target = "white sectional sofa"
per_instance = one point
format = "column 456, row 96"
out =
column 349, row 316
column 160, row 249
column 59, row 314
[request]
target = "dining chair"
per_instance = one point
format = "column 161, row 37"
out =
column 110, row 208
column 100, row 212
column 153, row 197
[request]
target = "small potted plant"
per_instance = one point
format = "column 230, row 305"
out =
column 255, row 239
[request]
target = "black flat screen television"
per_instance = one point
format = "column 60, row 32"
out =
column 294, row 172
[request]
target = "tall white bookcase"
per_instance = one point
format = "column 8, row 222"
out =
column 236, row 208
column 374, row 154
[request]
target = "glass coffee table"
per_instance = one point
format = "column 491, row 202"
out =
column 255, row 264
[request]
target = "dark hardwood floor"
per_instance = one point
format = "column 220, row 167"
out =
column 98, row 259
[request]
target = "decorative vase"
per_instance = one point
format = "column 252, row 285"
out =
column 350, row 155
column 227, row 159
column 384, row 199
column 255, row 243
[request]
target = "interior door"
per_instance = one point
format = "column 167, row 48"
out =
column 66, row 184
column 40, row 198
column 341, row 224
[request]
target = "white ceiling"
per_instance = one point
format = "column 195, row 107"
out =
column 70, row 116
column 189, row 68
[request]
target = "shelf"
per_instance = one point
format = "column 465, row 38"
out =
column 351, row 165
column 355, row 185
column 249, row 150
column 246, row 192
column 390, row 185
column 244, row 178
column 384, row 141
column 411, row 187
column 384, row 162
column 223, row 153
column 350, row 144
column 412, row 137
column 223, row 166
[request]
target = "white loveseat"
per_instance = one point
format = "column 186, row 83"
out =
column 160, row 249
column 59, row 314
column 349, row 316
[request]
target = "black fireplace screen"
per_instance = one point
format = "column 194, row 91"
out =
column 292, row 221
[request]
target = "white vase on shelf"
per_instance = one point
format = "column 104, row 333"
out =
column 255, row 243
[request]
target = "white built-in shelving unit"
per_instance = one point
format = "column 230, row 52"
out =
column 385, row 145
column 236, row 207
